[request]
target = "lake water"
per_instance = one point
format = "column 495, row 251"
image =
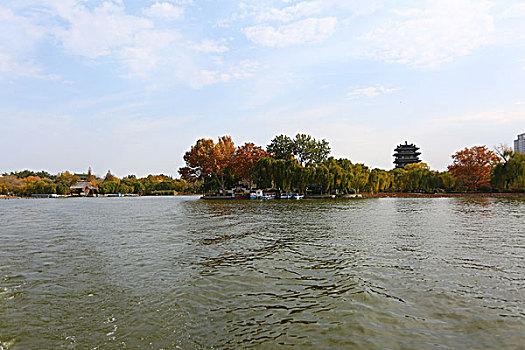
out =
column 177, row 272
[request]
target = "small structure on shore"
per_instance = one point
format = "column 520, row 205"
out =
column 84, row 188
column 406, row 154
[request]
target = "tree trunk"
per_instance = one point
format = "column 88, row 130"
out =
column 220, row 180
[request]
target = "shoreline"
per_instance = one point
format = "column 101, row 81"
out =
column 395, row 195
column 441, row 195
column 360, row 196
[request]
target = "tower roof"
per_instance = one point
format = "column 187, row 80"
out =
column 406, row 154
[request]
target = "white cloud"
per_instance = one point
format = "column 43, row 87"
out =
column 290, row 13
column 164, row 10
column 142, row 46
column 307, row 31
column 18, row 38
column 264, row 12
column 150, row 51
column 210, row 46
column 245, row 69
column 436, row 34
column 98, row 32
column 490, row 118
column 516, row 11
column 18, row 33
column 369, row 92
column 13, row 65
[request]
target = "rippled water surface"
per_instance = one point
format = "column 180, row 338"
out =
column 176, row 272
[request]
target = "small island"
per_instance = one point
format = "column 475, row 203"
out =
column 290, row 168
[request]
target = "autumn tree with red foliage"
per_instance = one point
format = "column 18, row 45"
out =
column 245, row 158
column 472, row 166
column 209, row 160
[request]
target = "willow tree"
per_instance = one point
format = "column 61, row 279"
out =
column 323, row 178
column 379, row 180
column 278, row 173
column 510, row 176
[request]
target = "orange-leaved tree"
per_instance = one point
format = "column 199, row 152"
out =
column 472, row 166
column 209, row 160
column 245, row 158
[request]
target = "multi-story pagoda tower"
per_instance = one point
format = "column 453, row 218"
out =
column 406, row 154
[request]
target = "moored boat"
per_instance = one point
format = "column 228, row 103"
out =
column 256, row 195
column 115, row 195
column 259, row 194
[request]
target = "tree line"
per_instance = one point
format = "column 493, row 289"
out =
column 28, row 182
column 300, row 164
column 304, row 164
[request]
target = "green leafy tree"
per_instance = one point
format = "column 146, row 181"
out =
column 309, row 151
column 182, row 186
column 306, row 149
column 67, row 178
column 510, row 176
column 302, row 177
column 124, row 189
column 380, row 180
column 323, row 178
column 111, row 178
column 281, row 147
column 62, row 188
column 109, row 187
column 446, row 181
column 40, row 187
column 399, row 183
column 414, row 175
column 135, row 184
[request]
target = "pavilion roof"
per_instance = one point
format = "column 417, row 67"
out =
column 81, row 185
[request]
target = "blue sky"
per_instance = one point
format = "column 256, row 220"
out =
column 130, row 85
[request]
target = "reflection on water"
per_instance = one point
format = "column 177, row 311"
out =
column 179, row 272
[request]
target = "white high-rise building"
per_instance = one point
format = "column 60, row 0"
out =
column 519, row 144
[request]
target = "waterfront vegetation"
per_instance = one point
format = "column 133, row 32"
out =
column 28, row 182
column 301, row 164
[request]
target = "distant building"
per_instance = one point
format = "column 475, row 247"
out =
column 82, row 177
column 406, row 154
column 84, row 188
column 519, row 144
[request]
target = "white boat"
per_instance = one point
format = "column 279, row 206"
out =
column 268, row 196
column 296, row 196
column 259, row 194
column 285, row 196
